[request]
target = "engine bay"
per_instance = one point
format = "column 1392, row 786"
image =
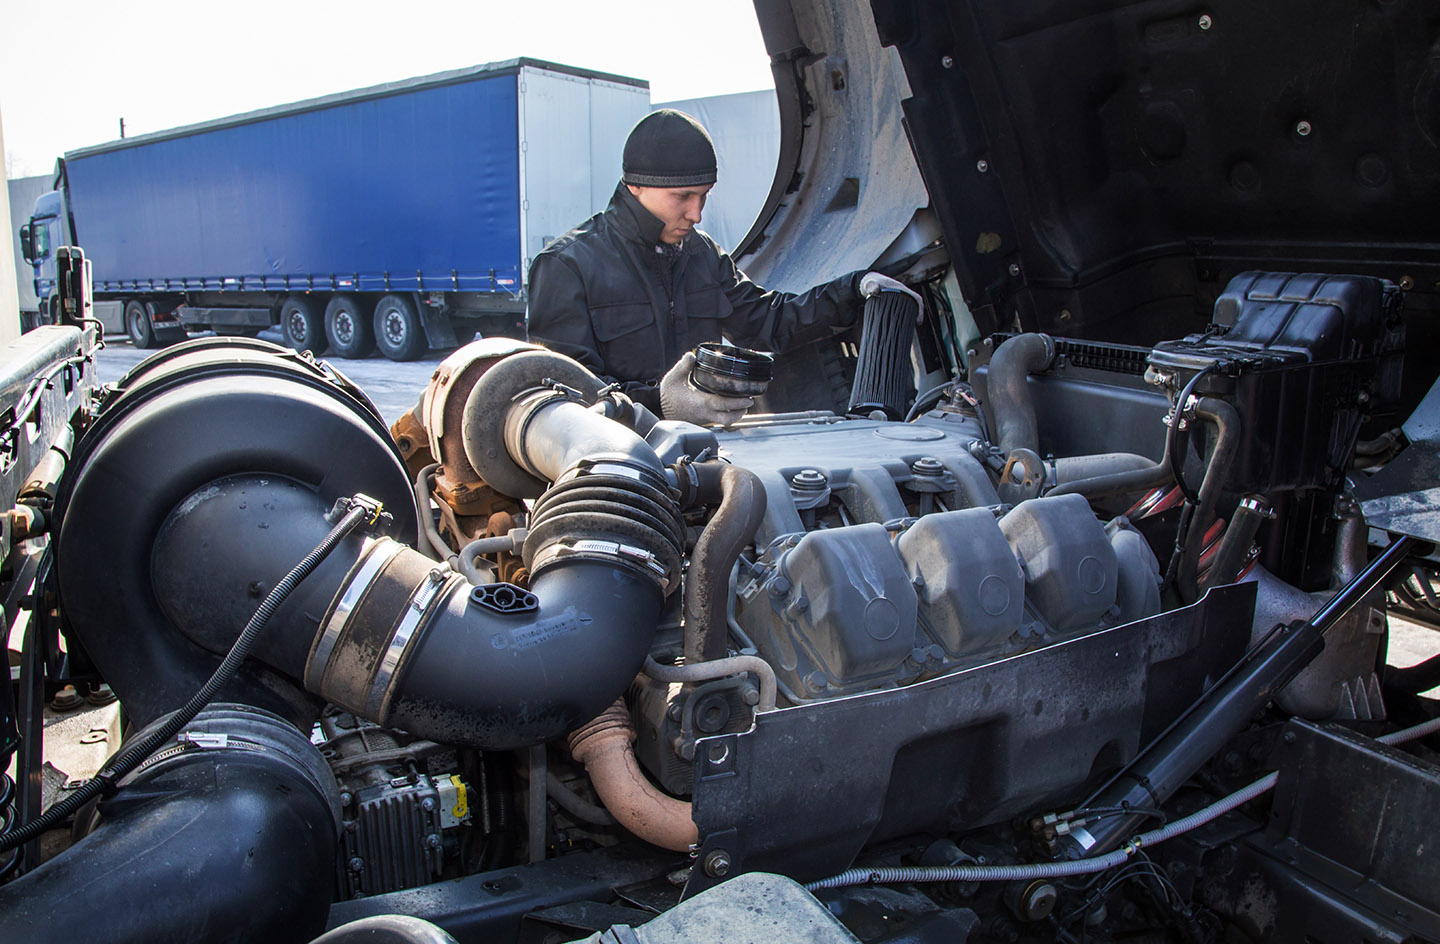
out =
column 1056, row 608
column 565, row 666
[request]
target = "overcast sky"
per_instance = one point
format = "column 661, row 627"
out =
column 67, row 78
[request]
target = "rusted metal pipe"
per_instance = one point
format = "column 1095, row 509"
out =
column 605, row 747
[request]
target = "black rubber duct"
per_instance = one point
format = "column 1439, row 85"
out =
column 1009, row 392
column 385, row 632
column 182, row 421
column 1249, row 515
column 236, row 828
column 741, row 497
column 883, row 376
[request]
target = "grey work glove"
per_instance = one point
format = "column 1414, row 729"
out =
column 680, row 399
column 873, row 283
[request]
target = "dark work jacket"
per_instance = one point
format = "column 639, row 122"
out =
column 605, row 296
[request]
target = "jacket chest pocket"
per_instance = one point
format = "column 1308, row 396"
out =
column 629, row 344
column 706, row 309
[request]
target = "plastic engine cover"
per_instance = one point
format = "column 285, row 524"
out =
column 967, row 577
column 1070, row 569
column 843, row 612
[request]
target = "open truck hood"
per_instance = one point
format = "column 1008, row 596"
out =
column 1102, row 169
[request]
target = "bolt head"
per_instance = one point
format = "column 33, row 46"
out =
column 427, row 804
column 1205, row 21
column 1014, row 268
column 356, row 864
column 947, row 62
column 717, row 863
column 982, row 165
column 1303, row 128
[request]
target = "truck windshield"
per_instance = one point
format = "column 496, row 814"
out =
column 40, row 236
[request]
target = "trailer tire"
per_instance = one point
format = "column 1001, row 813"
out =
column 398, row 331
column 347, row 329
column 138, row 326
column 302, row 326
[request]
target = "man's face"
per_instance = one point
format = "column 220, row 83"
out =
column 677, row 207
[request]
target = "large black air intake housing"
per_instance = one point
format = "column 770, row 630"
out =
column 883, row 377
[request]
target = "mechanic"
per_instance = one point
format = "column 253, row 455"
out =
column 632, row 290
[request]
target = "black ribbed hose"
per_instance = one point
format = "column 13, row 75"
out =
column 131, row 756
column 882, row 372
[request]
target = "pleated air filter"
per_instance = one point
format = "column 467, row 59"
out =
column 883, row 378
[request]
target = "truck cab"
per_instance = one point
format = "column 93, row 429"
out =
column 38, row 238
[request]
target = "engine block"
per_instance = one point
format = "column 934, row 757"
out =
column 886, row 557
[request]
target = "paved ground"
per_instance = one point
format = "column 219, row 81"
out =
column 393, row 387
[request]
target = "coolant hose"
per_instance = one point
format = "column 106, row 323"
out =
column 1249, row 515
column 741, row 496
column 720, row 668
column 1142, row 479
column 605, row 747
column 1014, row 361
column 1227, row 423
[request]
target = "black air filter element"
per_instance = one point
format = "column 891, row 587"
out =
column 883, row 378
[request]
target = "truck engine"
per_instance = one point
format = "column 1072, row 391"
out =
column 534, row 664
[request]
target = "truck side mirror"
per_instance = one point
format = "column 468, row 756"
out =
column 72, row 285
column 27, row 245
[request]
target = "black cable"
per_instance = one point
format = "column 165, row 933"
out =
column 1095, row 811
column 1173, row 448
column 130, row 757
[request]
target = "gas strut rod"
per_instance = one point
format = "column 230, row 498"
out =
column 1153, row 777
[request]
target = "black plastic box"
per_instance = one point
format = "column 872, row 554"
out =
column 1302, row 358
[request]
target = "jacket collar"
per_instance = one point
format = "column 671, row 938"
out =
column 632, row 220
column 638, row 224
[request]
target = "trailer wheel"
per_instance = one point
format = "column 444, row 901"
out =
column 348, row 330
column 303, row 328
column 138, row 326
column 398, row 331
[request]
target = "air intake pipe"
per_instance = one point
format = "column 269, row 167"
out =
column 380, row 629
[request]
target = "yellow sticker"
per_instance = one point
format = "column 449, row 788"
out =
column 462, row 802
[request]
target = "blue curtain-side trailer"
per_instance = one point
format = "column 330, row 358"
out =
column 400, row 217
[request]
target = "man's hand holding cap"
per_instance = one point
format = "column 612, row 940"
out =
column 680, row 399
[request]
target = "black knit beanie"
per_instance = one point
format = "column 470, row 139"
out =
column 668, row 148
